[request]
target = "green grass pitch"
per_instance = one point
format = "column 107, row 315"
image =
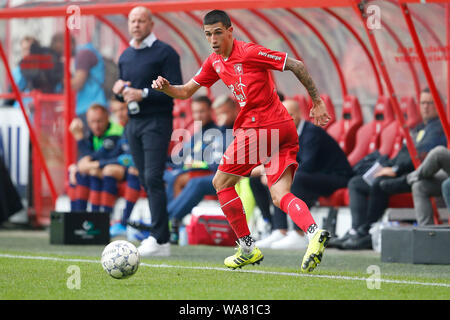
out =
column 32, row 269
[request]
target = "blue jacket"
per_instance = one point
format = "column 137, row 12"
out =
column 107, row 144
column 92, row 91
column 119, row 153
column 425, row 137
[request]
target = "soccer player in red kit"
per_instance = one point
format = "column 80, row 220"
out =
column 264, row 133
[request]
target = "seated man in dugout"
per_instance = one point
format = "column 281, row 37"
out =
column 191, row 157
column 431, row 179
column 369, row 200
column 197, row 187
column 94, row 152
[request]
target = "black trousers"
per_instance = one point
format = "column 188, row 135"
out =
column 149, row 139
column 262, row 198
column 10, row 201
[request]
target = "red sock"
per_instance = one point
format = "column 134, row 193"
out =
column 233, row 209
column 297, row 210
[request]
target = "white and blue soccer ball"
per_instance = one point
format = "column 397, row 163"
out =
column 120, row 259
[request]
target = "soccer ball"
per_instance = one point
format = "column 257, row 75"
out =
column 120, row 259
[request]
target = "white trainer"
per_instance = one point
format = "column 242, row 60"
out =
column 291, row 241
column 267, row 241
column 151, row 248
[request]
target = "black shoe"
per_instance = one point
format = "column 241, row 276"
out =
column 336, row 242
column 358, row 242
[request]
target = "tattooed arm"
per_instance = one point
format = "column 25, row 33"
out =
column 318, row 110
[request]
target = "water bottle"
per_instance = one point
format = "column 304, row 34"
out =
column 375, row 232
column 183, row 240
column 133, row 106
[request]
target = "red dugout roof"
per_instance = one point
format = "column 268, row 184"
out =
column 46, row 9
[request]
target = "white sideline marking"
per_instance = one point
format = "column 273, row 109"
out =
column 290, row 274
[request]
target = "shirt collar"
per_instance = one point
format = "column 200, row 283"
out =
column 300, row 127
column 147, row 42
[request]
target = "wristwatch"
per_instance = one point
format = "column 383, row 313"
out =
column 145, row 93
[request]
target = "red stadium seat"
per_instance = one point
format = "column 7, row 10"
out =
column 337, row 199
column 392, row 136
column 368, row 136
column 401, row 200
column 392, row 141
column 411, row 111
column 182, row 119
column 344, row 130
column 182, row 113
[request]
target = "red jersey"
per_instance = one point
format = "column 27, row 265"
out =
column 246, row 74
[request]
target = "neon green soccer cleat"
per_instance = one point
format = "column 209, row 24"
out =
column 316, row 247
column 240, row 259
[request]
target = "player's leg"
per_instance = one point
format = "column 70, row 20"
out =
column 289, row 203
column 112, row 173
column 300, row 214
column 231, row 204
column 232, row 207
column 71, row 192
column 81, row 192
column 95, row 186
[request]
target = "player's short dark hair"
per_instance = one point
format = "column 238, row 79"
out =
column 216, row 16
column 425, row 90
column 203, row 99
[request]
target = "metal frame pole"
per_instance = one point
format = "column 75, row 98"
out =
column 430, row 81
column 382, row 66
column 447, row 53
column 34, row 139
column 69, row 110
column 327, row 48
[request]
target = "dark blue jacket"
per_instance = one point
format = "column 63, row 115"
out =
column 142, row 66
column 432, row 136
column 112, row 155
column 109, row 143
column 320, row 153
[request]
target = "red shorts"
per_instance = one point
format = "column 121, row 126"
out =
column 274, row 146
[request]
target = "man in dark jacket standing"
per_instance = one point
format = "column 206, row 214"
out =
column 150, row 125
